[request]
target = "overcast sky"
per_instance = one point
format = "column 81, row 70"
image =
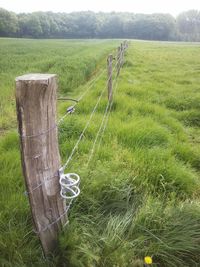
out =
column 137, row 6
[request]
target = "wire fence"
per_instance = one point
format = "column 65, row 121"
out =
column 91, row 116
column 103, row 124
column 87, row 88
column 69, row 184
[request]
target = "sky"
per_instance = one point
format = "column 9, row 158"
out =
column 173, row 7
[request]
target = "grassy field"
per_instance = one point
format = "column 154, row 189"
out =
column 73, row 61
column 140, row 193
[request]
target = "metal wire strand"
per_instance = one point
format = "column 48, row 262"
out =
column 39, row 134
column 87, row 125
column 107, row 117
column 82, row 133
column 110, row 107
column 41, row 183
column 102, row 125
column 85, row 92
column 90, row 86
column 56, row 221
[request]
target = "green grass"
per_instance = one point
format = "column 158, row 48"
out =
column 73, row 61
column 140, row 193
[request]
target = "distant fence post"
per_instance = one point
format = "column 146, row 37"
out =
column 122, row 54
column 36, row 112
column 126, row 44
column 118, row 59
column 109, row 65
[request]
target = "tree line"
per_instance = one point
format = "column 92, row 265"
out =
column 87, row 24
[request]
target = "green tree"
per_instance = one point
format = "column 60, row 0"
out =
column 110, row 25
column 188, row 24
column 101, row 25
column 8, row 23
column 30, row 25
column 150, row 27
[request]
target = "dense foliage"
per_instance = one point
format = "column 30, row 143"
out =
column 101, row 25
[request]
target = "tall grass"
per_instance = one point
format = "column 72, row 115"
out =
column 73, row 61
column 140, row 193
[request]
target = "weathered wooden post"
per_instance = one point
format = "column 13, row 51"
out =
column 109, row 65
column 36, row 112
column 118, row 60
column 122, row 54
column 126, row 44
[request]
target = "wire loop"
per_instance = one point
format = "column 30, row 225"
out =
column 69, row 185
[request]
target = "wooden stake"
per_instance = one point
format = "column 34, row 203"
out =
column 125, row 44
column 109, row 64
column 122, row 55
column 36, row 112
column 118, row 60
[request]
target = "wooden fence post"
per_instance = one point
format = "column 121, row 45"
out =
column 126, row 44
column 122, row 55
column 118, row 60
column 36, row 112
column 109, row 65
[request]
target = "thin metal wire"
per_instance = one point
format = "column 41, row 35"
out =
column 105, row 117
column 102, row 125
column 114, row 91
column 39, row 134
column 100, row 128
column 67, row 99
column 40, row 184
column 82, row 133
column 106, row 122
column 56, row 221
column 87, row 125
column 90, row 86
column 97, row 135
column 85, row 92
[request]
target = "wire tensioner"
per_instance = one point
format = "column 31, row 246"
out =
column 69, row 185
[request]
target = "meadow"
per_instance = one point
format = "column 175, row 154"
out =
column 140, row 192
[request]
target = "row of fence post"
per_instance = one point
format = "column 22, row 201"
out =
column 36, row 112
column 120, row 61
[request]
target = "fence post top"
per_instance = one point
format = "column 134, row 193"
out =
column 35, row 77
